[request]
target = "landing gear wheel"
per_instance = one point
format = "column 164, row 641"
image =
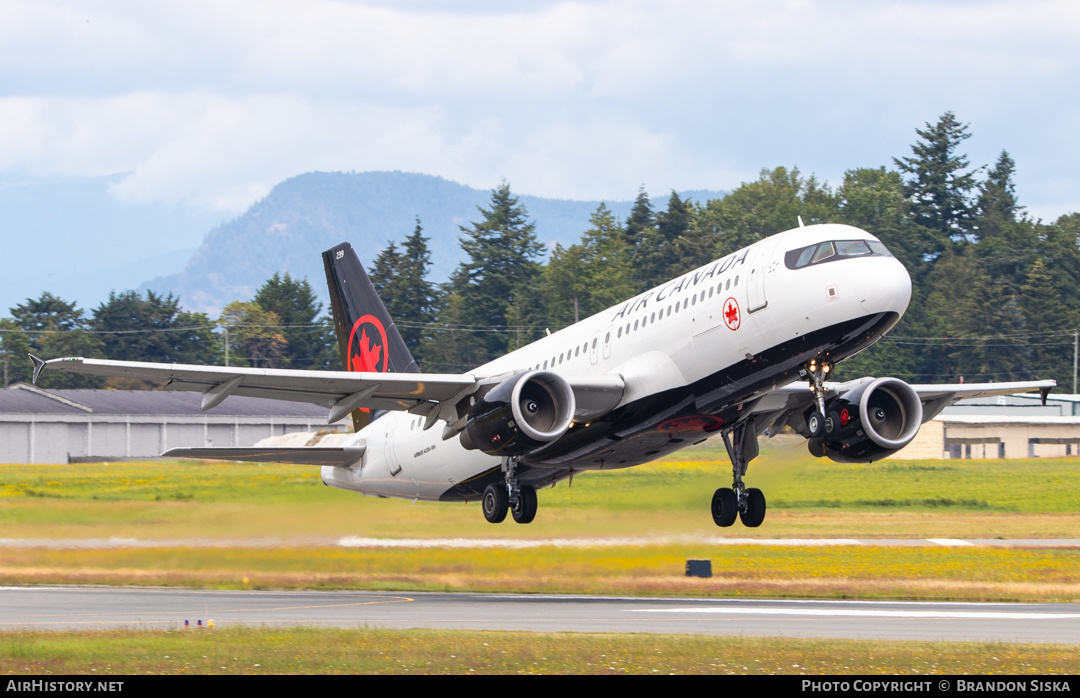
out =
column 832, row 423
column 755, row 508
column 816, row 448
column 524, row 507
column 495, row 502
column 815, row 424
column 725, row 507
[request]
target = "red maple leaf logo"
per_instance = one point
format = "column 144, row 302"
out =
column 731, row 314
column 369, row 355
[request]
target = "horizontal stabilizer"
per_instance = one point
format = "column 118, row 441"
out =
column 313, row 455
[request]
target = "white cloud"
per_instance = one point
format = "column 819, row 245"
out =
column 213, row 103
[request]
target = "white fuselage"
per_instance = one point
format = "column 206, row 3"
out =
column 668, row 337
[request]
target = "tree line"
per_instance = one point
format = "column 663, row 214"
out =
column 996, row 294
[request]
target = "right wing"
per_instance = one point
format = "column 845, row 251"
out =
column 788, row 405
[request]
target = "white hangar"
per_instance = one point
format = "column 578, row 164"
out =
column 64, row 426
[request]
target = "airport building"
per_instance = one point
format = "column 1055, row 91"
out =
column 65, row 426
column 1006, row 426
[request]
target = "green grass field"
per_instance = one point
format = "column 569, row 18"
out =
column 807, row 498
column 372, row 651
column 276, row 526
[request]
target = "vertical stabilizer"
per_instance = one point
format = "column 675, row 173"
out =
column 367, row 337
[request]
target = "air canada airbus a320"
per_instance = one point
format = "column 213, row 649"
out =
column 739, row 346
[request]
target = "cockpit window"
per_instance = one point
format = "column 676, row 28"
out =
column 824, row 251
column 833, row 251
column 852, row 248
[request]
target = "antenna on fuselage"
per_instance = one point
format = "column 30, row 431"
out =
column 801, row 224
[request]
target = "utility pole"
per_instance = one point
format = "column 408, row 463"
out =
column 226, row 346
column 1076, row 346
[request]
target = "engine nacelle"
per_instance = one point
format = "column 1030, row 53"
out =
column 520, row 415
column 871, row 422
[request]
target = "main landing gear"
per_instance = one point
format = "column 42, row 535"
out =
column 501, row 497
column 738, row 501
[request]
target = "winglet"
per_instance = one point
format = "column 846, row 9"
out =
column 1044, row 392
column 38, row 365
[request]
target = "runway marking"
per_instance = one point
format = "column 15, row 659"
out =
column 988, row 615
column 516, row 543
column 521, row 544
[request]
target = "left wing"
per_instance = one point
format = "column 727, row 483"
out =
column 786, row 406
column 434, row 395
column 341, row 391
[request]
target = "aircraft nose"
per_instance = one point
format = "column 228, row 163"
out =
column 884, row 286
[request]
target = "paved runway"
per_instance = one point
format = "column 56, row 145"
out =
column 63, row 608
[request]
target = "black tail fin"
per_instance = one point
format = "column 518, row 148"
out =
column 367, row 337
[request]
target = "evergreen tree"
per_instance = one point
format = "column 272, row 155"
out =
column 15, row 364
column 53, row 328
column 939, row 185
column 384, row 277
column 401, row 280
column 976, row 317
column 590, row 276
column 873, row 199
column 767, row 206
column 502, row 250
column 996, row 207
column 656, row 254
column 418, row 297
column 133, row 328
column 1008, row 244
column 641, row 219
column 1050, row 323
column 309, row 342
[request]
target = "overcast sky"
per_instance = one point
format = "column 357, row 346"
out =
column 210, row 104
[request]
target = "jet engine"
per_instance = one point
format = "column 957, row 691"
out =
column 520, row 415
column 870, row 422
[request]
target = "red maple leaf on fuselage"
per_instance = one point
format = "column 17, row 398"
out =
column 369, row 355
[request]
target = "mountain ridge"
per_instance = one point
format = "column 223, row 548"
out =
column 286, row 231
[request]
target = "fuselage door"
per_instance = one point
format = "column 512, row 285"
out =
column 389, row 454
column 761, row 264
column 594, row 348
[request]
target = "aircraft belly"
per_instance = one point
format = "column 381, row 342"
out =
column 655, row 425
